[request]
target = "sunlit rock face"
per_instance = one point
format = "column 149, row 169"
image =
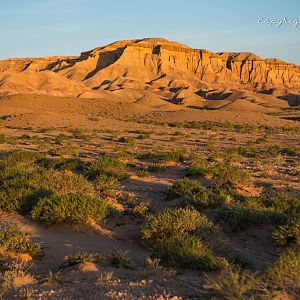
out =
column 153, row 63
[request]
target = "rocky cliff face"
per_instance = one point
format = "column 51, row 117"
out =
column 158, row 63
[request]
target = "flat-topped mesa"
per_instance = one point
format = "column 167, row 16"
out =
column 145, row 60
column 169, row 57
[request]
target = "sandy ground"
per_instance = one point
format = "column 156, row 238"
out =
column 104, row 123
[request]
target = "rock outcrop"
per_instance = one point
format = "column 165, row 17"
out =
column 158, row 65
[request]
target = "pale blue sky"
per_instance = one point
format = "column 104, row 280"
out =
column 31, row 28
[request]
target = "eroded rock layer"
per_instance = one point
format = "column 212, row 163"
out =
column 149, row 64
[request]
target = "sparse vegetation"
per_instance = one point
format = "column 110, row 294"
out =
column 242, row 218
column 179, row 237
column 109, row 166
column 198, row 196
column 206, row 196
column 288, row 232
column 82, row 257
column 70, row 208
column 14, row 239
column 231, row 177
column 188, row 251
column 121, row 259
column 176, row 155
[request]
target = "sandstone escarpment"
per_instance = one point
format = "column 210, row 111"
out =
column 155, row 64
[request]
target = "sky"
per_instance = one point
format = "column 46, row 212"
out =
column 31, row 28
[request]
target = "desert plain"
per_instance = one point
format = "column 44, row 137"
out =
column 145, row 169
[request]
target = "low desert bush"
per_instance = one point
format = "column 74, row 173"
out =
column 127, row 140
column 177, row 222
column 242, row 218
column 186, row 187
column 230, row 177
column 288, row 232
column 106, row 183
column 70, row 208
column 62, row 164
column 78, row 133
column 279, row 202
column 282, row 202
column 175, row 155
column 121, row 259
column 285, row 273
column 82, row 257
column 142, row 209
column 280, row 281
column 187, row 251
column 20, row 188
column 105, row 276
column 229, row 155
column 199, row 196
column 179, row 237
column 23, row 156
column 109, row 166
column 23, row 186
column 51, row 190
column 199, row 166
column 236, row 284
column 16, row 275
column 14, row 239
column 66, row 182
column 156, row 168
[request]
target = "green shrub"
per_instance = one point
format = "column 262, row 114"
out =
column 176, row 222
column 199, row 166
column 280, row 281
column 288, row 232
column 12, row 158
column 156, row 168
column 285, row 273
column 142, row 209
column 2, row 139
column 176, row 155
column 66, row 182
column 121, row 259
column 242, row 218
column 20, row 189
column 13, row 239
column 198, row 195
column 230, row 155
column 214, row 198
column 78, row 133
column 290, row 150
column 282, row 202
column 23, row 186
column 82, row 257
column 109, row 166
column 236, row 284
column 230, row 177
column 62, row 164
column 126, row 139
column 106, row 183
column 179, row 222
column 278, row 202
column 59, row 139
column 188, row 251
column 70, row 208
column 247, row 151
column 186, row 187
